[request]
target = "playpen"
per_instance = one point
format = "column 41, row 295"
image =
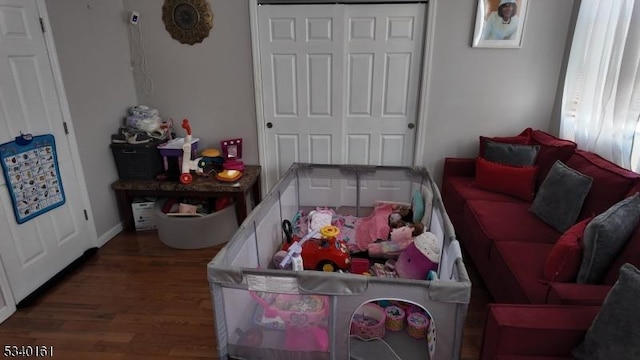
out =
column 267, row 313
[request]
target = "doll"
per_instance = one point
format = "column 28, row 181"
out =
column 400, row 216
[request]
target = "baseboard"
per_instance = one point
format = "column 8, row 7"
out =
column 110, row 234
column 27, row 301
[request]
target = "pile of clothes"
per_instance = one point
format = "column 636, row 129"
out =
column 142, row 125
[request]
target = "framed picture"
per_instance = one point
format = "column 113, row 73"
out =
column 500, row 23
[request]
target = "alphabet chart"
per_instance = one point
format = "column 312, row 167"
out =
column 31, row 171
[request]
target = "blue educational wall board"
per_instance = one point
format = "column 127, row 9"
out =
column 30, row 168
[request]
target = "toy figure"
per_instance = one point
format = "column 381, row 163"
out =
column 419, row 257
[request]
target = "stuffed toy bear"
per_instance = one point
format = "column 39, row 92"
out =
column 400, row 216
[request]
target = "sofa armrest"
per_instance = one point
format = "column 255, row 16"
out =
column 459, row 167
column 577, row 294
column 534, row 330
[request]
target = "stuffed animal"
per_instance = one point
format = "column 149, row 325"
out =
column 419, row 257
column 400, row 216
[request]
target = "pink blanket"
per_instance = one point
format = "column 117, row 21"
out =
column 373, row 227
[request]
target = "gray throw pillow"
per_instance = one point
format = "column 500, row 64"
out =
column 560, row 197
column 511, row 154
column 613, row 335
column 604, row 238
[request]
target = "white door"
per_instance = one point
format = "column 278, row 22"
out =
column 7, row 304
column 36, row 250
column 340, row 84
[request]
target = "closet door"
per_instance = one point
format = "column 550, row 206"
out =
column 302, row 56
column 383, row 58
column 340, row 85
column 38, row 249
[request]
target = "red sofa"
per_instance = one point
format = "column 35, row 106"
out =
column 534, row 332
column 509, row 244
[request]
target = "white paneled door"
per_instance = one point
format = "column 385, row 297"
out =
column 340, row 83
column 36, row 250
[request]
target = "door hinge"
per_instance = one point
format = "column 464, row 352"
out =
column 86, row 216
column 66, row 129
column 42, row 24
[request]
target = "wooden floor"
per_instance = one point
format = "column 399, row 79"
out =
column 139, row 299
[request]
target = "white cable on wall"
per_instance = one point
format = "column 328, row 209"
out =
column 136, row 40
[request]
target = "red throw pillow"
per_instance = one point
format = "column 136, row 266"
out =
column 516, row 181
column 522, row 139
column 564, row 259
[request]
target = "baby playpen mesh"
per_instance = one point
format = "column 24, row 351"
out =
column 265, row 313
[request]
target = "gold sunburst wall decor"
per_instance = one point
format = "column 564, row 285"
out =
column 188, row 21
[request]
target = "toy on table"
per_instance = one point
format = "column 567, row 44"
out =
column 232, row 153
column 176, row 149
column 187, row 163
column 326, row 253
column 368, row 322
column 419, row 257
column 210, row 160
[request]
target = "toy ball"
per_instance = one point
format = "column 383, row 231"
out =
column 419, row 257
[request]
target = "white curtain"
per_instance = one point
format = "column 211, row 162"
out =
column 601, row 99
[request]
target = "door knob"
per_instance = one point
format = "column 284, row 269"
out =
column 411, row 125
column 269, row 125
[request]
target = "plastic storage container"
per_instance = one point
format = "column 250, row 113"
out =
column 195, row 232
column 137, row 161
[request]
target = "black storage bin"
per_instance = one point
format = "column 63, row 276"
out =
column 138, row 161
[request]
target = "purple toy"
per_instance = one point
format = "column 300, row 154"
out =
column 419, row 257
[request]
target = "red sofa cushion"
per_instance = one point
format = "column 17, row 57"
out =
column 548, row 332
column 508, row 221
column 551, row 149
column 520, row 265
column 611, row 183
column 564, row 260
column 456, row 190
column 518, row 181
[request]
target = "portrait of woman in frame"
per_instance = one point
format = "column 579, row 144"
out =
column 500, row 23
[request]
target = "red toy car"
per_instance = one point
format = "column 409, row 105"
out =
column 326, row 253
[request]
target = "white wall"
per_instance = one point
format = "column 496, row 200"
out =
column 92, row 46
column 210, row 83
column 479, row 91
column 472, row 91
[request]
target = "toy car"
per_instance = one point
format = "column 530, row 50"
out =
column 326, row 253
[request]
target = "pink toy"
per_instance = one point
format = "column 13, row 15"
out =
column 419, row 257
column 373, row 227
column 368, row 322
column 401, row 238
column 304, row 317
column 232, row 153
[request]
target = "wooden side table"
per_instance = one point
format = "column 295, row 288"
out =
column 127, row 190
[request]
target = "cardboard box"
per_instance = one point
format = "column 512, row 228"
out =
column 143, row 213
